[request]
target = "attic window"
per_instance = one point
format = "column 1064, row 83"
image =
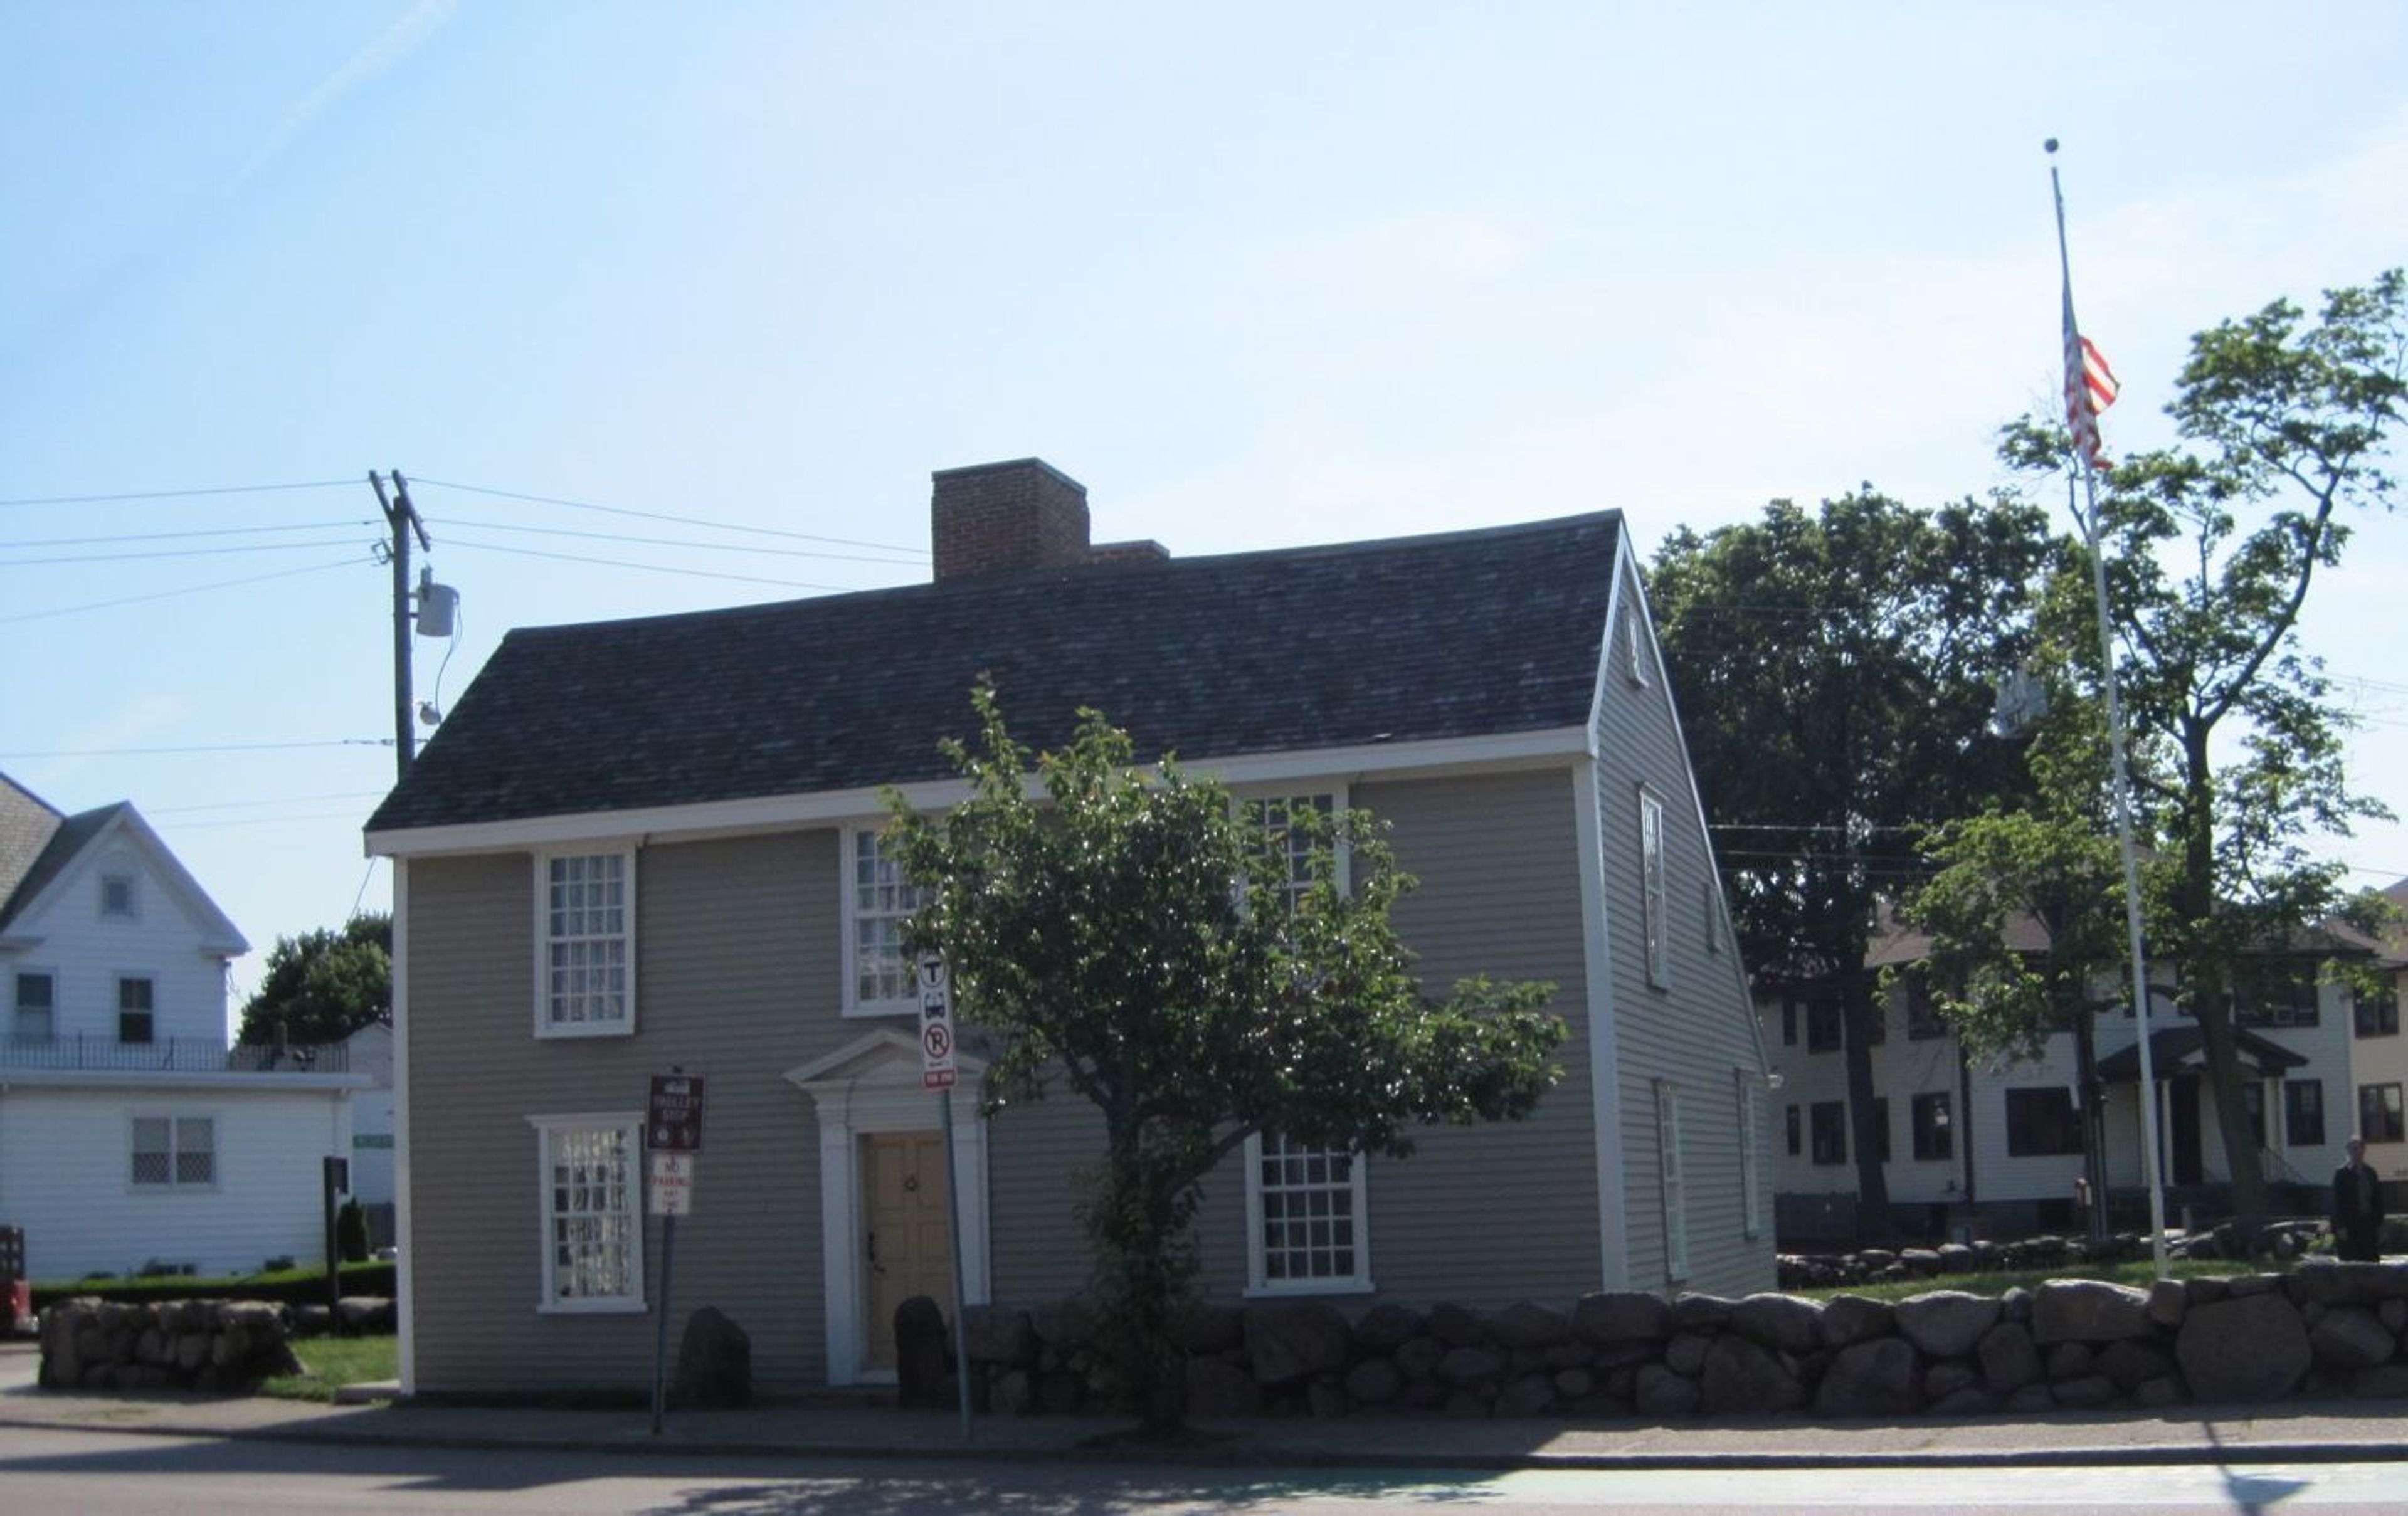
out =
column 1634, row 645
column 117, row 898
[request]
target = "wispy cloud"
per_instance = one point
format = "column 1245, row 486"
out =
column 398, row 41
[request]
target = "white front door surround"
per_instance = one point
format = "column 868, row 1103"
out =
column 873, row 1084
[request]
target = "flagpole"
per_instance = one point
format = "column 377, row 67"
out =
column 2077, row 395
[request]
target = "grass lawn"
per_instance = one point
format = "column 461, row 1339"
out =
column 2139, row 1273
column 334, row 1362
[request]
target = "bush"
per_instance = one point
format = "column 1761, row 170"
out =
column 292, row 1287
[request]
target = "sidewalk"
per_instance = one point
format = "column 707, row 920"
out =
column 2328, row 1433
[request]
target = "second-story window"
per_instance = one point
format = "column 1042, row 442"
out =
column 136, row 1019
column 586, row 904
column 878, row 901
column 36, row 1004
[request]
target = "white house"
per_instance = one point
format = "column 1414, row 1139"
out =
column 132, row 1135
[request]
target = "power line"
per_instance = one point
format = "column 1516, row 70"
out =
column 177, row 495
column 212, row 747
column 194, row 588
column 662, row 516
column 280, row 800
column 162, row 552
column 176, row 537
column 455, row 522
column 656, row 568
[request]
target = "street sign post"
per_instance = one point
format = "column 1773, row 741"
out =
column 937, row 1073
column 672, row 1135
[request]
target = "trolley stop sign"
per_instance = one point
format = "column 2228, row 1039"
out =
column 673, row 1119
column 935, row 1023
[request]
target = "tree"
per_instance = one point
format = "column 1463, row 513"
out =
column 2284, row 427
column 1143, row 941
column 1837, row 665
column 322, row 985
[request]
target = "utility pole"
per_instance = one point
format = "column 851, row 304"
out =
column 403, row 518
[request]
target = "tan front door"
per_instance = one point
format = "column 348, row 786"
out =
column 906, row 1233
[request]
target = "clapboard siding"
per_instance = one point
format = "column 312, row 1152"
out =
column 1698, row 1031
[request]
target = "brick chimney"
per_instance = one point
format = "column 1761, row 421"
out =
column 1024, row 513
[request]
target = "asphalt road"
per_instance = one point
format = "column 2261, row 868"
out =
column 89, row 1473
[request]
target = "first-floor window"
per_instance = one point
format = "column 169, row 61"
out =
column 37, row 1003
column 1306, row 1209
column 1676, row 1184
column 2303, row 1113
column 1830, row 1123
column 1791, row 1120
column 2379, row 1116
column 1750, row 1209
column 593, row 1211
column 1932, row 1135
column 2040, row 1122
column 175, row 1152
column 135, row 1008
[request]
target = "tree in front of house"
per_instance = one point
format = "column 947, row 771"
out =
column 1840, row 662
column 324, row 985
column 2214, row 544
column 1200, row 970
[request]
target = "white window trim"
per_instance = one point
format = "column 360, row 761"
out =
column 630, row 1124
column 545, row 1027
column 1655, row 889
column 1635, row 652
column 1750, row 1214
column 132, row 882
column 1258, row 1283
column 171, row 1184
column 847, row 888
column 22, row 971
column 1674, row 1178
column 118, row 980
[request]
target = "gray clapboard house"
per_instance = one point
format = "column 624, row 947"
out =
column 641, row 845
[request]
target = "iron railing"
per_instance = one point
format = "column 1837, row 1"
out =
column 173, row 1055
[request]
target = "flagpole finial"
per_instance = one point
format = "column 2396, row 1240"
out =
column 2050, row 145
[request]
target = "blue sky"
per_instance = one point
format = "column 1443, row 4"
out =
column 1256, row 274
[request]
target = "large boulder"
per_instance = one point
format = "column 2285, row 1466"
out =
column 1947, row 1323
column 1784, row 1323
column 2242, row 1348
column 2324, row 1282
column 996, row 1335
column 1623, row 1316
column 1387, row 1326
column 714, row 1361
column 1742, row 1378
column 2089, row 1310
column 922, row 1365
column 2351, row 1337
column 1466, row 1367
column 1217, row 1388
column 1374, row 1381
column 1660, row 1392
column 1871, row 1379
column 1850, row 1318
column 1529, row 1324
column 2009, row 1359
column 1291, row 1340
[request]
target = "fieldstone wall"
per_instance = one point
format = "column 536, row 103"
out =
column 2324, row 1329
column 214, row 1346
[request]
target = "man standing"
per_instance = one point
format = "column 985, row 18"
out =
column 2358, row 1207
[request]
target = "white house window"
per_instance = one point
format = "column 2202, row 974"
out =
column 587, row 927
column 117, row 896
column 1634, row 645
column 1297, row 843
column 878, row 900
column 35, row 1018
column 1306, row 1220
column 1676, row 1186
column 136, row 1019
column 592, row 1215
column 1751, row 1207
column 1650, row 853
column 175, row 1152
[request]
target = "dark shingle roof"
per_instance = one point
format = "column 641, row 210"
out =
column 1469, row 634
column 36, row 843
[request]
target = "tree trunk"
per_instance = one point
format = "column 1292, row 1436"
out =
column 2210, row 978
column 2094, row 1118
column 1859, row 1014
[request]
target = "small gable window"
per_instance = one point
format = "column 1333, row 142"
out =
column 118, row 900
column 1634, row 645
column 1655, row 906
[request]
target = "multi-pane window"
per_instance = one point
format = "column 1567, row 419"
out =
column 1823, row 1021
column 589, row 940
column 136, row 1018
column 1306, row 1205
column 2303, row 1113
column 35, row 1018
column 1830, row 1120
column 1676, row 1184
column 2376, row 1013
column 2379, row 1115
column 592, row 1219
column 1297, row 844
column 175, row 1152
column 1654, row 905
column 1750, row 1207
column 2274, row 995
column 881, row 900
column 1933, row 1127
column 2042, row 1123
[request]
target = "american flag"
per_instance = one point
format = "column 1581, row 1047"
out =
column 2090, row 388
